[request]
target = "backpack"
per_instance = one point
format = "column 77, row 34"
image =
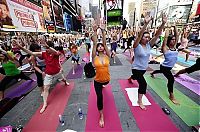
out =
column 89, row 70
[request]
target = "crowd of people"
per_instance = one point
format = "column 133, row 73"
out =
column 44, row 53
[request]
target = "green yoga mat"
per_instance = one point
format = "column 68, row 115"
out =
column 188, row 110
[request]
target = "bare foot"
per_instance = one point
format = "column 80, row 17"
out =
column 141, row 105
column 66, row 83
column 174, row 101
column 101, row 122
column 43, row 109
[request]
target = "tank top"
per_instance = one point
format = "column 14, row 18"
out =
column 10, row 68
column 141, row 57
column 102, row 70
column 170, row 58
column 40, row 62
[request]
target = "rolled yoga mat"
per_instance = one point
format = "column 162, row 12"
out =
column 48, row 121
column 152, row 119
column 78, row 72
column 188, row 110
column 111, row 118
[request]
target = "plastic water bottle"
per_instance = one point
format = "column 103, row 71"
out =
column 62, row 122
column 80, row 113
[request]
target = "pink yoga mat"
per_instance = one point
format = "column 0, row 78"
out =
column 153, row 119
column 111, row 118
column 57, row 101
column 189, row 83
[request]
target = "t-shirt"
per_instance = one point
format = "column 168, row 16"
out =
column 141, row 57
column 10, row 68
column 52, row 63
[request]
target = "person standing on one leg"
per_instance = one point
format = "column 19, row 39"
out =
column 101, row 63
column 170, row 55
column 142, row 47
column 52, row 70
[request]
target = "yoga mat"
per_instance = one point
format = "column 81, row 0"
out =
column 111, row 118
column 78, row 72
column 48, row 121
column 189, row 83
column 22, row 89
column 118, row 62
column 132, row 93
column 152, row 119
column 188, row 110
column 24, row 67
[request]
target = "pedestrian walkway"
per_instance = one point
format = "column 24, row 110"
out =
column 67, row 101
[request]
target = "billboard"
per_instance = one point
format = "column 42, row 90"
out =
column 149, row 6
column 21, row 15
column 179, row 13
column 58, row 14
column 67, row 22
column 114, row 12
column 48, row 15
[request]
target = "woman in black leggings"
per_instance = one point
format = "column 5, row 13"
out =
column 170, row 55
column 142, row 47
column 101, row 62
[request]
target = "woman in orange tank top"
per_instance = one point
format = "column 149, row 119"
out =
column 101, row 62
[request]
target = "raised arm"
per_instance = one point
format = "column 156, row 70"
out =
column 94, row 39
column 104, row 42
column 139, row 37
column 26, row 50
column 164, row 44
column 176, row 33
column 159, row 31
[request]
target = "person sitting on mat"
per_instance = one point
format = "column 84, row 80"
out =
column 52, row 70
column 101, row 63
column 142, row 47
column 190, row 69
column 75, row 56
column 11, row 71
column 170, row 55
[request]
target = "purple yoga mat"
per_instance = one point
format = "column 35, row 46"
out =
column 78, row 72
column 24, row 88
column 189, row 83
